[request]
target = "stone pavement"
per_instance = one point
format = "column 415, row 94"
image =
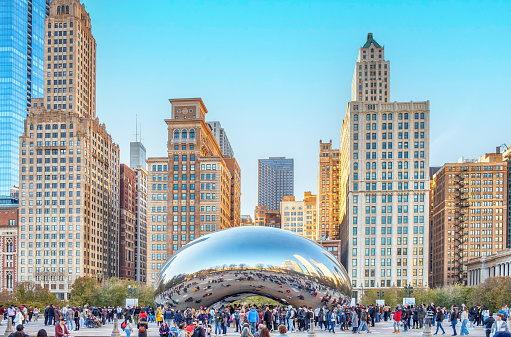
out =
column 384, row 329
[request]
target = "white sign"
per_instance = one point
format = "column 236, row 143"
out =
column 132, row 302
column 353, row 301
column 380, row 302
column 409, row 301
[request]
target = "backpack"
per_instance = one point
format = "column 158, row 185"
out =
column 123, row 325
column 141, row 328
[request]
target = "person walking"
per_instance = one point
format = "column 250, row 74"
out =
column 142, row 327
column 363, row 321
column 464, row 321
column 488, row 324
column 453, row 317
column 439, row 319
column 128, row 329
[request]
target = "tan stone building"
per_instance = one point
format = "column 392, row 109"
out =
column 201, row 190
column 69, row 173
column 246, row 220
column 469, row 215
column 70, row 59
column 128, row 226
column 328, row 206
column 384, row 180
column 266, row 218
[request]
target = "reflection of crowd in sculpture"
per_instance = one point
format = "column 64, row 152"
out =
column 286, row 288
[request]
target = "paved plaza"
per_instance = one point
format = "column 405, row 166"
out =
column 381, row 329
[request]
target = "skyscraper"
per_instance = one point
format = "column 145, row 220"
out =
column 384, row 180
column 275, row 181
column 70, row 170
column 21, row 78
column 221, row 138
column 192, row 191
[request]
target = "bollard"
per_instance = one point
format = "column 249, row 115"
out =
column 8, row 329
column 311, row 332
column 427, row 330
column 115, row 331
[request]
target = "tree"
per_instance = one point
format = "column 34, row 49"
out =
column 86, row 290
column 30, row 293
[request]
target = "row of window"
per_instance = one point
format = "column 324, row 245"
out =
column 50, row 219
column 388, row 186
column 388, row 230
column 388, row 251
column 389, row 116
column 388, row 209
column 388, row 220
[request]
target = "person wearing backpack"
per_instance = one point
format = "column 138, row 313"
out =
column 142, row 327
column 127, row 325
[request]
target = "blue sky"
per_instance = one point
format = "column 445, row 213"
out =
column 277, row 74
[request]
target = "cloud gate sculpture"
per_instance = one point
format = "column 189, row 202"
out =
column 236, row 263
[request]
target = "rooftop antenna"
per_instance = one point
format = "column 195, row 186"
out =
column 140, row 132
column 136, row 128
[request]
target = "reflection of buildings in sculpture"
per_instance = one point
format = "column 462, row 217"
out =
column 308, row 266
column 292, row 265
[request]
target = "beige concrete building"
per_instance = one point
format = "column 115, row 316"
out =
column 384, row 184
column 69, row 199
column 480, row 268
column 328, row 206
column 469, row 215
column 371, row 77
column 69, row 174
column 8, row 247
column 70, row 59
column 246, row 220
column 141, row 223
column 299, row 216
column 157, row 210
column 197, row 189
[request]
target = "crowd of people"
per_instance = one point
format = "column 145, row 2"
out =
column 258, row 321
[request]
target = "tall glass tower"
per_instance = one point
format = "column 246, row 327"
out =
column 21, row 79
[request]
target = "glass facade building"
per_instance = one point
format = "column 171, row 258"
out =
column 21, row 78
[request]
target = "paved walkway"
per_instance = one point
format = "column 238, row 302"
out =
column 381, row 329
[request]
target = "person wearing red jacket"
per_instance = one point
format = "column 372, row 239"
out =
column 397, row 319
column 61, row 329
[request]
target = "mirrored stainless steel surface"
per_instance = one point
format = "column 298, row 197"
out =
column 235, row 263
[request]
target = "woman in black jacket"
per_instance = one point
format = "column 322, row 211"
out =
column 439, row 319
column 454, row 319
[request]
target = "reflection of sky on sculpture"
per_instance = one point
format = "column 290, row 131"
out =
column 243, row 246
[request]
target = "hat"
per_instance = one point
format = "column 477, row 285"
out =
column 19, row 327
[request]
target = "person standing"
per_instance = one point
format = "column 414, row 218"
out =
column 253, row 319
column 128, row 329
column 454, row 319
column 397, row 320
column 439, row 319
column 464, row 321
column 61, row 329
column 142, row 327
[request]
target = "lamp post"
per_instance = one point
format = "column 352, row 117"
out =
column 409, row 290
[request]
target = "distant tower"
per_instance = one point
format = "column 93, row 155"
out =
column 371, row 78
column 275, row 180
column 137, row 151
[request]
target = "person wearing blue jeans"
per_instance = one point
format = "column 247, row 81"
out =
column 454, row 320
column 439, row 318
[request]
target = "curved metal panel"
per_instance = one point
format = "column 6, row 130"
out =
column 239, row 262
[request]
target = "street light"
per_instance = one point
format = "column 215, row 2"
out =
column 409, row 290
column 132, row 291
column 380, row 294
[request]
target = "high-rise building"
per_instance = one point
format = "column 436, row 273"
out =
column 193, row 191
column 221, row 138
column 127, row 237
column 70, row 59
column 275, row 180
column 141, row 224
column 299, row 216
column 384, row 181
column 137, row 154
column 157, row 211
column 70, row 170
column 328, row 206
column 371, row 77
column 469, row 218
column 21, row 78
